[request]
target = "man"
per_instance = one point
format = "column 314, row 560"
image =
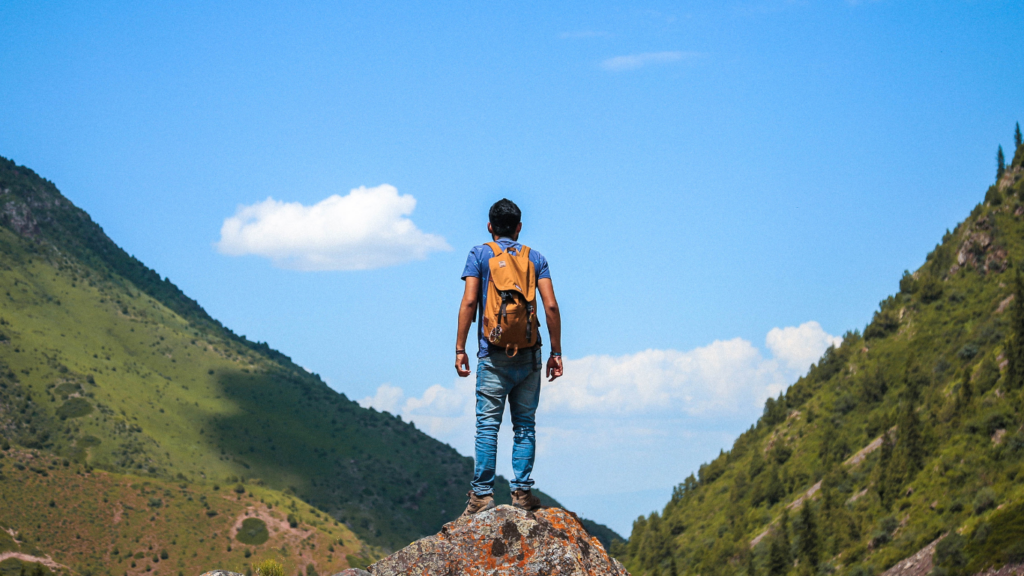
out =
column 503, row 373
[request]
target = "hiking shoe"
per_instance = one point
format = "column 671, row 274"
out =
column 477, row 504
column 525, row 500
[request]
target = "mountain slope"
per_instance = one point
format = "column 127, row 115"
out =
column 108, row 365
column 68, row 517
column 901, row 435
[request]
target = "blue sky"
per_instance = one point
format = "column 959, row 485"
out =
column 699, row 174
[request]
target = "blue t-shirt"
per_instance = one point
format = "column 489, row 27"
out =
column 477, row 267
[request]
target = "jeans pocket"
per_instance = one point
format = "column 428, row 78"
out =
column 538, row 360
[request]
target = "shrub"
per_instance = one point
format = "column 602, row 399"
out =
column 1003, row 542
column 253, row 532
column 879, row 538
column 985, row 500
column 268, row 568
column 74, row 408
column 861, row 570
column 908, row 285
column 845, row 404
column 969, row 351
column 239, row 489
column 357, row 561
column 949, row 557
column 930, row 289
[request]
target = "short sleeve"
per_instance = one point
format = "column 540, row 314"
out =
column 473, row 264
column 541, row 264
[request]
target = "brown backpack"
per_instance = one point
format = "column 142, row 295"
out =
column 510, row 316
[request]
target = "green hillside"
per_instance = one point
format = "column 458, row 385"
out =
column 902, row 434
column 105, row 364
column 63, row 517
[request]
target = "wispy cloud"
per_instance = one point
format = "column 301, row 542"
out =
column 634, row 61
column 367, row 228
column 610, row 414
column 581, row 34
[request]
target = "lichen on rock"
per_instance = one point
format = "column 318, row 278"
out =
column 506, row 541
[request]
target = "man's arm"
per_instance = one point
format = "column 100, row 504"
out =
column 467, row 310
column 554, row 322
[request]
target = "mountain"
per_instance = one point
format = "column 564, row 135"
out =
column 111, row 368
column 904, row 434
column 60, row 516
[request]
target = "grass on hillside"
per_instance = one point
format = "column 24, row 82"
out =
column 104, row 364
column 121, row 382
column 98, row 523
column 930, row 376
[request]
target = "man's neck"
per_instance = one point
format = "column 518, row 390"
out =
column 500, row 238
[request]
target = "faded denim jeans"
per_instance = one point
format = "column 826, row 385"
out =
column 516, row 379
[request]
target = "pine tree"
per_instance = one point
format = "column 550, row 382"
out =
column 777, row 563
column 910, row 443
column 828, row 441
column 963, row 399
column 1000, row 163
column 808, row 536
column 827, row 520
column 774, row 491
column 1017, row 140
column 787, row 548
column 883, row 482
column 1015, row 347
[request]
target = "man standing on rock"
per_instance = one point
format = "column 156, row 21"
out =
column 502, row 278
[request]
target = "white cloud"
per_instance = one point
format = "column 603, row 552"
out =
column 388, row 398
column 634, row 61
column 797, row 347
column 610, row 416
column 712, row 378
column 368, row 228
column 444, row 413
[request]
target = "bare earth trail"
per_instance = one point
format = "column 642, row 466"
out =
column 29, row 558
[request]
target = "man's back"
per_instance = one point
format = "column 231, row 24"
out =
column 509, row 374
column 477, row 267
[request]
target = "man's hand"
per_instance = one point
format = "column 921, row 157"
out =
column 554, row 369
column 462, row 364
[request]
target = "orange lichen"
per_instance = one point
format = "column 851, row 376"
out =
column 505, row 541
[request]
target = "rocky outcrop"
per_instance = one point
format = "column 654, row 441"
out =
column 506, row 541
column 919, row 564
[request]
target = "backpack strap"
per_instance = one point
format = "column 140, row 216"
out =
column 495, row 247
column 524, row 251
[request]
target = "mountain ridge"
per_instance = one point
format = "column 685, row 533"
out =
column 109, row 366
column 904, row 433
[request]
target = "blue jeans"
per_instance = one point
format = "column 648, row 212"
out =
column 517, row 379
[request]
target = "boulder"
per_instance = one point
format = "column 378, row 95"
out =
column 506, row 541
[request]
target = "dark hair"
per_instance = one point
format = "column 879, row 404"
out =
column 504, row 217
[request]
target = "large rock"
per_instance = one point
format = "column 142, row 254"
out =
column 505, row 541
